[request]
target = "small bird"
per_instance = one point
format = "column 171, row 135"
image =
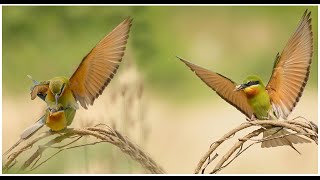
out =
column 89, row 80
column 278, row 98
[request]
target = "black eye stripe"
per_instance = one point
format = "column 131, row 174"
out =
column 250, row 83
column 62, row 88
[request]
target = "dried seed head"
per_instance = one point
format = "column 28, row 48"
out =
column 124, row 89
column 113, row 97
column 140, row 89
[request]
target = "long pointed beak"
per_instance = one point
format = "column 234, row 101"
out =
column 56, row 97
column 240, row 87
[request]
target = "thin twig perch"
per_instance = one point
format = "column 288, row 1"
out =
column 307, row 129
column 102, row 134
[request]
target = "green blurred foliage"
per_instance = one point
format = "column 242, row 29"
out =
column 235, row 41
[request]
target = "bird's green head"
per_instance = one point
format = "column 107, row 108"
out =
column 57, row 87
column 250, row 84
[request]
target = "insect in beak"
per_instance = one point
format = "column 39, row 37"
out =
column 240, row 87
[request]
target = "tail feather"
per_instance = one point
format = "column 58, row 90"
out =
column 33, row 128
column 288, row 140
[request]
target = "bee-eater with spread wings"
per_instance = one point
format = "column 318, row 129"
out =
column 283, row 91
column 85, row 85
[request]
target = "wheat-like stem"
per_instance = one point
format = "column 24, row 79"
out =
column 307, row 129
column 102, row 134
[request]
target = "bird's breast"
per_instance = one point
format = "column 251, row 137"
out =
column 251, row 92
column 56, row 121
column 56, row 116
column 259, row 101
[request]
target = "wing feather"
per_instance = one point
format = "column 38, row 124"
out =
column 291, row 70
column 39, row 90
column 99, row 66
column 223, row 86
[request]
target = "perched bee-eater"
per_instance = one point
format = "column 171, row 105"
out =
column 277, row 99
column 93, row 74
column 86, row 84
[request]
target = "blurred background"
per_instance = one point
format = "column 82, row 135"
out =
column 154, row 99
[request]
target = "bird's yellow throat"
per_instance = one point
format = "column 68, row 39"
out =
column 251, row 91
column 56, row 121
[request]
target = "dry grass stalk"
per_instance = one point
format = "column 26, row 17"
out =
column 307, row 129
column 125, row 111
column 128, row 95
column 101, row 134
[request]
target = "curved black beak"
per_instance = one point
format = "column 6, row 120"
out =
column 56, row 98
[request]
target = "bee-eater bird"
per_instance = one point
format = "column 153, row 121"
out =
column 89, row 80
column 277, row 99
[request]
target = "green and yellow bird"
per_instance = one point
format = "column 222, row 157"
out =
column 86, row 84
column 93, row 74
column 277, row 99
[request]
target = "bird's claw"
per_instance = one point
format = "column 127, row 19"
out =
column 251, row 119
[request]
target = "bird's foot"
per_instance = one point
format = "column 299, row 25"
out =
column 60, row 132
column 52, row 131
column 251, row 119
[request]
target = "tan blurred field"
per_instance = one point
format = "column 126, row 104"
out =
column 181, row 135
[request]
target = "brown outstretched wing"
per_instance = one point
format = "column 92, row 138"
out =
column 291, row 69
column 224, row 87
column 98, row 68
